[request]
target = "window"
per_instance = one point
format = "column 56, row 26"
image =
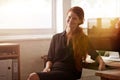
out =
column 27, row 16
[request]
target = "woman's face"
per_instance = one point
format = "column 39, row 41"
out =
column 72, row 20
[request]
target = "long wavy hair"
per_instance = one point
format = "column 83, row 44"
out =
column 79, row 39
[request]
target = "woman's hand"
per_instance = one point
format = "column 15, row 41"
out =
column 46, row 70
column 48, row 66
column 101, row 63
column 101, row 66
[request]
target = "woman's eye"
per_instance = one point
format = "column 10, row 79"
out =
column 69, row 17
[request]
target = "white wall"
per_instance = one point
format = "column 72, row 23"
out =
column 30, row 55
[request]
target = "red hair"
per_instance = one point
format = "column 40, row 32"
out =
column 79, row 39
column 79, row 11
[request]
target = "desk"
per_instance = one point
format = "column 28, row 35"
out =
column 111, row 63
column 110, row 74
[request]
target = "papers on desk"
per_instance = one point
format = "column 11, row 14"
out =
column 114, row 59
column 110, row 59
column 111, row 62
column 113, row 56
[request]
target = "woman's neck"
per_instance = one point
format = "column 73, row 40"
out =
column 68, row 34
column 71, row 31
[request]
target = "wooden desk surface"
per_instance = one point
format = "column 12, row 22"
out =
column 113, row 73
column 109, row 74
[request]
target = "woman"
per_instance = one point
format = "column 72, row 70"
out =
column 68, row 50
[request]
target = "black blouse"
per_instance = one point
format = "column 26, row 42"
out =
column 61, row 54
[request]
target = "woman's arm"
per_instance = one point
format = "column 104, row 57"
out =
column 50, row 56
column 101, row 63
column 95, row 56
column 48, row 66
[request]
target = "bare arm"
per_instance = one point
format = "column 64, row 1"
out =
column 48, row 66
column 101, row 63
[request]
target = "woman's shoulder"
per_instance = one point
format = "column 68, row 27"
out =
column 59, row 34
